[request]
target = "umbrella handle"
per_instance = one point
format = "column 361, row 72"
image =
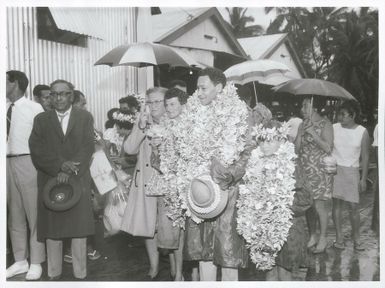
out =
column 255, row 93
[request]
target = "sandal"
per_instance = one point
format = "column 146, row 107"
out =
column 358, row 246
column 339, row 245
column 93, row 255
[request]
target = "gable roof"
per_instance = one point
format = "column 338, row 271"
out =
column 171, row 25
column 262, row 47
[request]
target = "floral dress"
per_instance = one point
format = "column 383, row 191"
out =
column 315, row 180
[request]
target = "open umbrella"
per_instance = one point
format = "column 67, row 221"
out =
column 146, row 54
column 314, row 87
column 263, row 71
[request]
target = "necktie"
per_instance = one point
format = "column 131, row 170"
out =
column 9, row 117
column 61, row 118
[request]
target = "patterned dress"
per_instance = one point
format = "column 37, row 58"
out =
column 315, row 180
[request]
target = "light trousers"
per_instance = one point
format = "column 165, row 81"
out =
column 22, row 209
column 79, row 257
column 208, row 272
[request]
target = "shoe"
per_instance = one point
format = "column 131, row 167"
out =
column 68, row 258
column 34, row 272
column 358, row 246
column 93, row 255
column 149, row 278
column 339, row 245
column 54, row 278
column 17, row 268
column 312, row 242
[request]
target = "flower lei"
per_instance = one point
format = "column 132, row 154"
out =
column 121, row 117
column 218, row 129
column 167, row 181
column 265, row 198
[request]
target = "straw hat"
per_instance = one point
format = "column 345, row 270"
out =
column 61, row 196
column 205, row 198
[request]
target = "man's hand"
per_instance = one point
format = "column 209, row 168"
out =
column 220, row 175
column 70, row 167
column 62, row 177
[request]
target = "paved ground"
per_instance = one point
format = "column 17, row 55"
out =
column 124, row 258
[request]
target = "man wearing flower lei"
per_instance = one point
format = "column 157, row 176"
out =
column 140, row 216
column 171, row 214
column 210, row 140
column 266, row 207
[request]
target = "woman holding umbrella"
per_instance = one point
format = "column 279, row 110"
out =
column 315, row 141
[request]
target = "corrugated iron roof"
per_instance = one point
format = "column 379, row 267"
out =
column 79, row 20
column 257, row 47
column 172, row 19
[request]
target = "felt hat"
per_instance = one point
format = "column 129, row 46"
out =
column 205, row 198
column 61, row 196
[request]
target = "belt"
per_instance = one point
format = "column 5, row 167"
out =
column 17, row 155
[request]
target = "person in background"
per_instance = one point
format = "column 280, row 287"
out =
column 62, row 144
column 114, row 139
column 129, row 103
column 376, row 216
column 294, row 121
column 180, row 84
column 314, row 142
column 140, row 215
column 110, row 121
column 22, row 186
column 79, row 100
column 41, row 95
column 351, row 143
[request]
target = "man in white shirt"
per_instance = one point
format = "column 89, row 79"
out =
column 22, row 179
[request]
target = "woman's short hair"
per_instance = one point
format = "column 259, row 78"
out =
column 351, row 106
column 175, row 92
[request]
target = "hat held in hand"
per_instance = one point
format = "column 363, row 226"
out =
column 61, row 196
column 205, row 198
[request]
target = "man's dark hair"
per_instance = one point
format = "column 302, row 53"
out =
column 77, row 95
column 20, row 77
column 216, row 76
column 38, row 88
column 177, row 82
column 175, row 92
column 131, row 101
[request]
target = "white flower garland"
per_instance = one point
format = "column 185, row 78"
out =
column 264, row 204
column 167, row 182
column 218, row 129
column 124, row 117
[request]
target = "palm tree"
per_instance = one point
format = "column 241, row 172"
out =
column 239, row 20
column 355, row 62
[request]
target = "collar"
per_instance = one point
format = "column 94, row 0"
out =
column 64, row 113
column 18, row 101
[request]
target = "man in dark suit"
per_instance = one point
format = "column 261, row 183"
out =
column 61, row 146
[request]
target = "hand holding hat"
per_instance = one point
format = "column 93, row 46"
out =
column 70, row 167
column 220, row 175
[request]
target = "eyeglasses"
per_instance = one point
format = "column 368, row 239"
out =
column 154, row 102
column 61, row 94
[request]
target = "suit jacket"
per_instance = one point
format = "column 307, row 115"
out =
column 49, row 149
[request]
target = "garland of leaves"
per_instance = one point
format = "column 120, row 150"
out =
column 265, row 199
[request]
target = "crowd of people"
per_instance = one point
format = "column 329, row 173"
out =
column 184, row 167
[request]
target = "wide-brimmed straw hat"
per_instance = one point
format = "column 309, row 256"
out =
column 205, row 198
column 61, row 196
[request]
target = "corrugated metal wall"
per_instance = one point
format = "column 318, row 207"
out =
column 45, row 61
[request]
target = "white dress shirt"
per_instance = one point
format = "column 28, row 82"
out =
column 66, row 118
column 23, row 113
